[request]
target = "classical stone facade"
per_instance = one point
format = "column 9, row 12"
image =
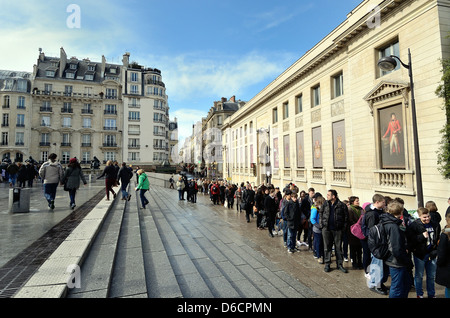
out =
column 335, row 120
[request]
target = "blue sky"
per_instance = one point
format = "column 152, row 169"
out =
column 206, row 49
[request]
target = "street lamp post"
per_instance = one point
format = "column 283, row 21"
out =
column 389, row 63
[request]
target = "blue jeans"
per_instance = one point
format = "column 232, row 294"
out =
column 285, row 232
column 400, row 283
column 123, row 187
column 50, row 191
column 318, row 244
column 180, row 194
column 13, row 179
column 379, row 272
column 72, row 193
column 144, row 200
column 428, row 265
column 291, row 234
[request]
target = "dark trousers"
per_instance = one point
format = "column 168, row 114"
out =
column 109, row 184
column 144, row 200
column 330, row 237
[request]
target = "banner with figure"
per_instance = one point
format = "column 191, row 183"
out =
column 392, row 142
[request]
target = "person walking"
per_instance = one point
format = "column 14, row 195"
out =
column 71, row 180
column 333, row 218
column 171, row 181
column 12, row 170
column 143, row 186
column 51, row 172
column 422, row 241
column 21, row 175
column 354, row 213
column 443, row 258
column 110, row 175
column 398, row 261
column 123, row 177
column 31, row 172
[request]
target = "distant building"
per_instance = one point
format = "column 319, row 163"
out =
column 15, row 99
column 80, row 108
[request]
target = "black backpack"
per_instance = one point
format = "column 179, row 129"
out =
column 378, row 242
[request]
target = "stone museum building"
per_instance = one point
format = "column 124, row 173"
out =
column 336, row 119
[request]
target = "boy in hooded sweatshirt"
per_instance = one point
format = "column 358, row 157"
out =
column 51, row 173
column 398, row 261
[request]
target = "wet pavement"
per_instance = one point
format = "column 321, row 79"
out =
column 27, row 239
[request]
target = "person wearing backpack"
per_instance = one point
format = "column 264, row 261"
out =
column 215, row 191
column 422, row 241
column 397, row 260
column 376, row 271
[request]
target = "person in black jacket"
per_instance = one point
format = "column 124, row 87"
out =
column 293, row 218
column 443, row 258
column 398, row 260
column 333, row 218
column 110, row 175
column 270, row 207
column 259, row 205
column 123, row 177
column 248, row 199
column 422, row 241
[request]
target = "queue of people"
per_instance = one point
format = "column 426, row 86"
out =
column 417, row 247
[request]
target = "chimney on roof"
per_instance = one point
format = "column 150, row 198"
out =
column 224, row 99
column 233, row 99
column 102, row 71
column 126, row 59
column 62, row 61
column 41, row 55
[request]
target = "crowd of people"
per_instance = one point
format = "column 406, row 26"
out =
column 329, row 227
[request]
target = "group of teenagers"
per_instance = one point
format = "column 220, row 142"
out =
column 416, row 244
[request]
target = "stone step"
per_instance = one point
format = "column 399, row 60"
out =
column 229, row 266
column 96, row 271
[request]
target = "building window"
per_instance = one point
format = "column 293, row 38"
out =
column 85, row 140
column 4, row 138
column 274, row 115
column 91, row 67
column 44, row 156
column 87, row 123
column 134, row 77
column 391, row 49
column 285, row 110
column 110, row 124
column 109, row 155
column 110, row 109
column 111, row 93
column 6, row 101
column 86, row 157
column 316, row 96
column 89, row 77
column 299, row 104
column 70, row 75
column 50, row 73
column 20, row 120
column 22, row 85
column 5, row 120
column 65, row 157
column 134, row 116
column 338, row 85
column 67, row 122
column 48, row 88
column 219, row 120
column 73, row 66
column 134, row 89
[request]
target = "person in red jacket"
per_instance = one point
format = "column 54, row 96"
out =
column 215, row 191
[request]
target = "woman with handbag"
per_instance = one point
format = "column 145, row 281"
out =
column 71, row 179
column 354, row 213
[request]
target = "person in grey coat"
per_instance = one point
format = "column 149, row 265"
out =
column 51, row 172
column 71, row 179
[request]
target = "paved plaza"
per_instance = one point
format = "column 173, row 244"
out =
column 172, row 249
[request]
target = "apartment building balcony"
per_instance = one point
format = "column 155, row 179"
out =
column 5, row 125
column 20, row 143
column 67, row 110
column 109, row 128
column 66, row 144
column 134, row 146
column 45, row 109
column 110, row 112
column 153, row 82
column 110, row 145
column 87, row 112
column 86, row 144
column 5, row 106
column 66, row 95
column 44, row 144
